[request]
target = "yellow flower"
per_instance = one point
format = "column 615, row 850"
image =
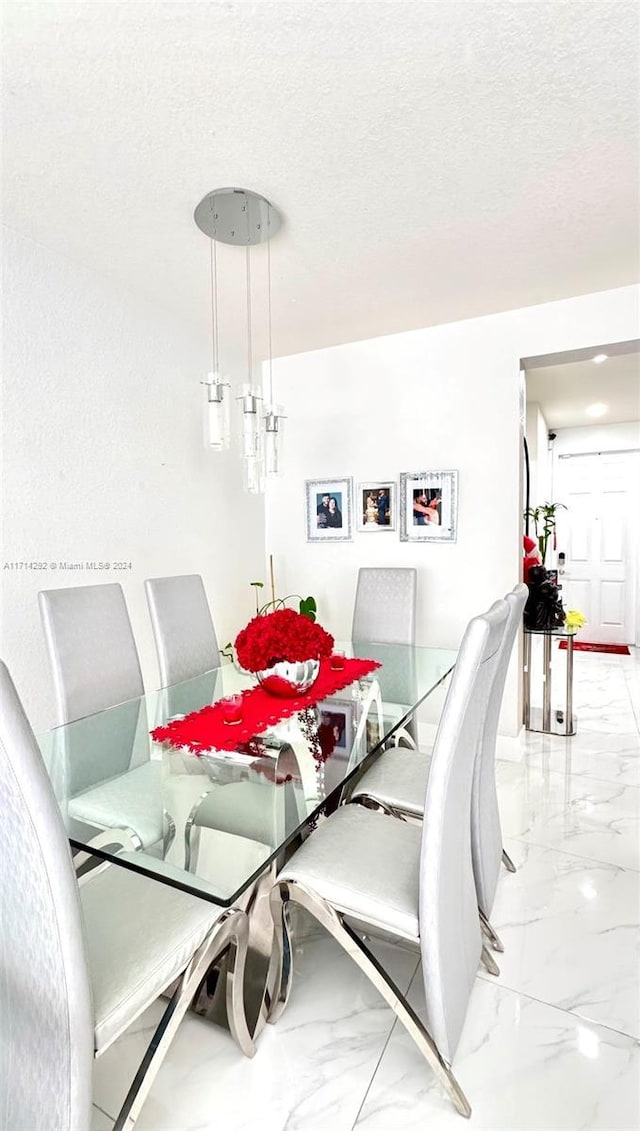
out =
column 574, row 619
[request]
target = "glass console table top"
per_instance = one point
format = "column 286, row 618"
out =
column 551, row 631
column 212, row 824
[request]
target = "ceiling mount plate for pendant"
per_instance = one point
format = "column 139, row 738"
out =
column 237, row 216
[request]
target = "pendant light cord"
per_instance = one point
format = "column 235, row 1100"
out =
column 249, row 350
column 269, row 308
column 214, row 305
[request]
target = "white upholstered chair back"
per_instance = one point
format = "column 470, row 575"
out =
column 182, row 626
column 385, row 613
column 385, row 606
column 46, row 1012
column 91, row 647
column 95, row 665
column 486, row 833
column 450, row 939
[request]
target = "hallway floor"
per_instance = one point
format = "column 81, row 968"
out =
column 549, row 1045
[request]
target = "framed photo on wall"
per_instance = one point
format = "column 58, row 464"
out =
column 428, row 506
column 375, row 507
column 328, row 510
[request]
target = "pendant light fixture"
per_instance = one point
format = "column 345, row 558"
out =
column 242, row 218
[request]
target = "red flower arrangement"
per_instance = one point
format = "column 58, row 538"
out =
column 282, row 635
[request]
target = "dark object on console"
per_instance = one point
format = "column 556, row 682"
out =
column 544, row 607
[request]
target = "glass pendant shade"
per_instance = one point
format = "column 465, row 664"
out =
column 253, row 475
column 217, row 422
column 273, row 441
column 249, row 404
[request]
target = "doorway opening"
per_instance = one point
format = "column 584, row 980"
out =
column 582, row 431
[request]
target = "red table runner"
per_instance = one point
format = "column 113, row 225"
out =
column 208, row 728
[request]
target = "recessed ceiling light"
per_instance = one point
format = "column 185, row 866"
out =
column 599, row 358
column 597, row 409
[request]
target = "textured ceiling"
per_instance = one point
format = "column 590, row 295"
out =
column 565, row 391
column 433, row 161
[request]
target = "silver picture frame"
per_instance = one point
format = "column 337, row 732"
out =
column 369, row 513
column 329, row 509
column 428, row 506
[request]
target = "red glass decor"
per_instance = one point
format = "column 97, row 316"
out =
column 282, row 635
column 232, row 709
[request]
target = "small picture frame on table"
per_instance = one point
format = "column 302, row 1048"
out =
column 329, row 509
column 335, row 718
column 375, row 507
column 428, row 506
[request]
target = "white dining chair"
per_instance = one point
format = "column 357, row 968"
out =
column 109, row 776
column 397, row 782
column 186, row 645
column 384, row 612
column 183, row 630
column 82, row 959
column 362, row 871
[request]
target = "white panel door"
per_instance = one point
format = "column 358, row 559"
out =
column 598, row 533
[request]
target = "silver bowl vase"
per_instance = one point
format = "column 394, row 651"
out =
column 285, row 679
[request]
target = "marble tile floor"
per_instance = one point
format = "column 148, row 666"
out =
column 549, row 1045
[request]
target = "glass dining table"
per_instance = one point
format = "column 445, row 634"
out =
column 219, row 824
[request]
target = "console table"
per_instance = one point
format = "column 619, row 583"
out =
column 548, row 720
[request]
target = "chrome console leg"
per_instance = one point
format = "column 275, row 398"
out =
column 568, row 723
column 508, row 862
column 546, row 686
column 356, row 949
column 489, row 932
column 526, row 683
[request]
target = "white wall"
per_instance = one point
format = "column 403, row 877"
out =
column 104, row 460
column 443, row 397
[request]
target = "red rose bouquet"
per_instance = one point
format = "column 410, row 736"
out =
column 282, row 635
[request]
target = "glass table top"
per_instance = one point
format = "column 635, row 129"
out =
column 211, row 824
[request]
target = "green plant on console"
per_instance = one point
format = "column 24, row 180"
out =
column 545, row 517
